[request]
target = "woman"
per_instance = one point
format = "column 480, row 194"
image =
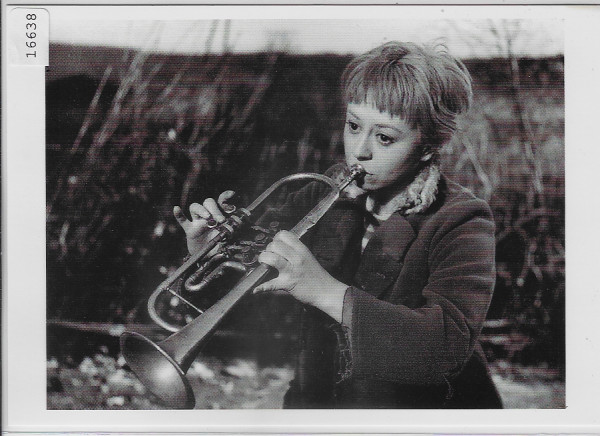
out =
column 399, row 276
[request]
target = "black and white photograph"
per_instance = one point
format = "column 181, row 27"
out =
column 436, row 280
column 290, row 213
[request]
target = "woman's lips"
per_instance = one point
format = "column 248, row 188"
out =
column 366, row 181
column 368, row 176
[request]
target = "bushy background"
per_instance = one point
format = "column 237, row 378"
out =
column 131, row 134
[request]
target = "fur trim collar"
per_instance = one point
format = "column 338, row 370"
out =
column 415, row 198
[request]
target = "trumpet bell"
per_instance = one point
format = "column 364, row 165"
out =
column 157, row 370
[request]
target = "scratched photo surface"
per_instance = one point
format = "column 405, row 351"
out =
column 142, row 116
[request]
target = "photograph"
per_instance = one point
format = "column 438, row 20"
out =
column 339, row 213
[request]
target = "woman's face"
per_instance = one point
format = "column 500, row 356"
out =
column 384, row 144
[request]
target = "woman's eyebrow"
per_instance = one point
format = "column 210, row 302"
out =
column 353, row 114
column 378, row 125
column 388, row 126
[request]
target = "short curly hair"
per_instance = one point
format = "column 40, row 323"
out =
column 424, row 85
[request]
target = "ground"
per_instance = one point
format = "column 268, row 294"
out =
column 102, row 382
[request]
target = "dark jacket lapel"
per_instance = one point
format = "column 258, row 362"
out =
column 337, row 241
column 383, row 256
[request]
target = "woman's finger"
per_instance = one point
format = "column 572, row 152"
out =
column 290, row 240
column 273, row 259
column 211, row 205
column 275, row 284
column 226, row 195
column 293, row 255
column 280, row 248
column 180, row 216
column 198, row 211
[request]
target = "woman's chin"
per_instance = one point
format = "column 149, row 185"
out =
column 354, row 191
column 369, row 184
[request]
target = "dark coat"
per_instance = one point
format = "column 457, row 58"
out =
column 418, row 295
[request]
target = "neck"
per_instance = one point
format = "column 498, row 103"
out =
column 385, row 195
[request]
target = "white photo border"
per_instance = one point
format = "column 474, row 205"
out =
column 23, row 239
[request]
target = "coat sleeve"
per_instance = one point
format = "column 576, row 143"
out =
column 430, row 344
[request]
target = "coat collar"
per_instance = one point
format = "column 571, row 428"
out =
column 415, row 198
column 338, row 245
column 393, row 237
column 383, row 257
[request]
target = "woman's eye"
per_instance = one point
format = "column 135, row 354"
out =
column 384, row 139
column 352, row 126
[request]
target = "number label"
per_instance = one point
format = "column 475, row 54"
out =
column 28, row 36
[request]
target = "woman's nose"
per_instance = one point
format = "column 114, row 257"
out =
column 362, row 150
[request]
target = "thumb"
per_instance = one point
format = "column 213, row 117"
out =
column 227, row 195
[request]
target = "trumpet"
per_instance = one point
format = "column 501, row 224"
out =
column 162, row 366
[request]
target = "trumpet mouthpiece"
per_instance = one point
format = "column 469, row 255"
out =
column 357, row 171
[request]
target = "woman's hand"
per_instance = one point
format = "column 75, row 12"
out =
column 301, row 275
column 197, row 231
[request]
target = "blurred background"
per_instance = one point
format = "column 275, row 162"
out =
column 145, row 115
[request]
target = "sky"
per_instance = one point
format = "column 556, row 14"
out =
column 463, row 38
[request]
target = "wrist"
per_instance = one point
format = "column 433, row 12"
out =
column 331, row 299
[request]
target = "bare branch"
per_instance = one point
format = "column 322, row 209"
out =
column 481, row 174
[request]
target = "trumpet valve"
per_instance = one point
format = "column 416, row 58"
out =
column 274, row 226
column 250, row 260
column 228, row 208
